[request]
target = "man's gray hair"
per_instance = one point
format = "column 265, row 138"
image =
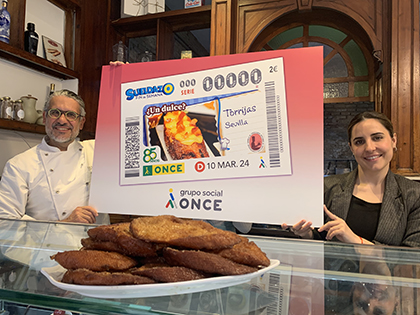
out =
column 69, row 94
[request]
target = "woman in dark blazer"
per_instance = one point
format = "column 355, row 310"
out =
column 370, row 205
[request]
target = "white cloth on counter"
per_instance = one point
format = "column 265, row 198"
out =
column 44, row 183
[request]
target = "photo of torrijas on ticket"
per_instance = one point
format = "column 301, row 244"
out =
column 228, row 122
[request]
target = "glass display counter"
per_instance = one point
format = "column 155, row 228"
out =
column 312, row 278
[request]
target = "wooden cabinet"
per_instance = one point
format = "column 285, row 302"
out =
column 165, row 34
column 72, row 12
column 85, row 40
column 14, row 51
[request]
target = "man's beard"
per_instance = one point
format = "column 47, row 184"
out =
column 62, row 138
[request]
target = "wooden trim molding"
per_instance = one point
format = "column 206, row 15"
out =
column 165, row 41
column 346, row 100
column 304, row 5
column 17, row 23
column 367, row 13
column 223, row 27
column 255, row 16
column 405, row 85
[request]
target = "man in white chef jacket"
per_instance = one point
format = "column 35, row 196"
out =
column 51, row 181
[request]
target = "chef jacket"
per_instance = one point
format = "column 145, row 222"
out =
column 44, row 183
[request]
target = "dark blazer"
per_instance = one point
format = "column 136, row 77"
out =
column 399, row 219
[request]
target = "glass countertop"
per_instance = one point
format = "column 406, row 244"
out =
column 313, row 278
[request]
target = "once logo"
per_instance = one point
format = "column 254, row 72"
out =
column 163, row 169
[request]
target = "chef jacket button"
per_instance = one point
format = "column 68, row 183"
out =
column 46, row 154
column 51, row 170
column 64, row 213
column 57, row 191
column 87, row 183
column 80, row 149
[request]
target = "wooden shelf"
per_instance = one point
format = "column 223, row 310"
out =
column 21, row 126
column 34, row 62
column 71, row 4
column 180, row 20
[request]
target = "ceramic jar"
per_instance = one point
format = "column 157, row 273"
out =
column 7, row 108
column 40, row 120
column 29, row 103
column 18, row 112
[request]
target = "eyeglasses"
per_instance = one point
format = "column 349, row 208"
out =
column 55, row 113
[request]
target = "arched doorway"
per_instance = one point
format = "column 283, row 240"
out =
column 350, row 83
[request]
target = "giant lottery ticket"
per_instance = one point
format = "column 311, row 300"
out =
column 227, row 122
column 226, row 138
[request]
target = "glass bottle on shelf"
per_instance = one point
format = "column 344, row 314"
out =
column 146, row 56
column 18, row 112
column 120, row 52
column 4, row 23
column 52, row 88
column 7, row 108
column 13, row 109
column 31, row 39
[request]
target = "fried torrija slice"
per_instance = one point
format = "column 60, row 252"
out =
column 120, row 234
column 246, row 253
column 88, row 277
column 108, row 232
column 89, row 243
column 170, row 230
column 94, row 260
column 169, row 273
column 205, row 262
